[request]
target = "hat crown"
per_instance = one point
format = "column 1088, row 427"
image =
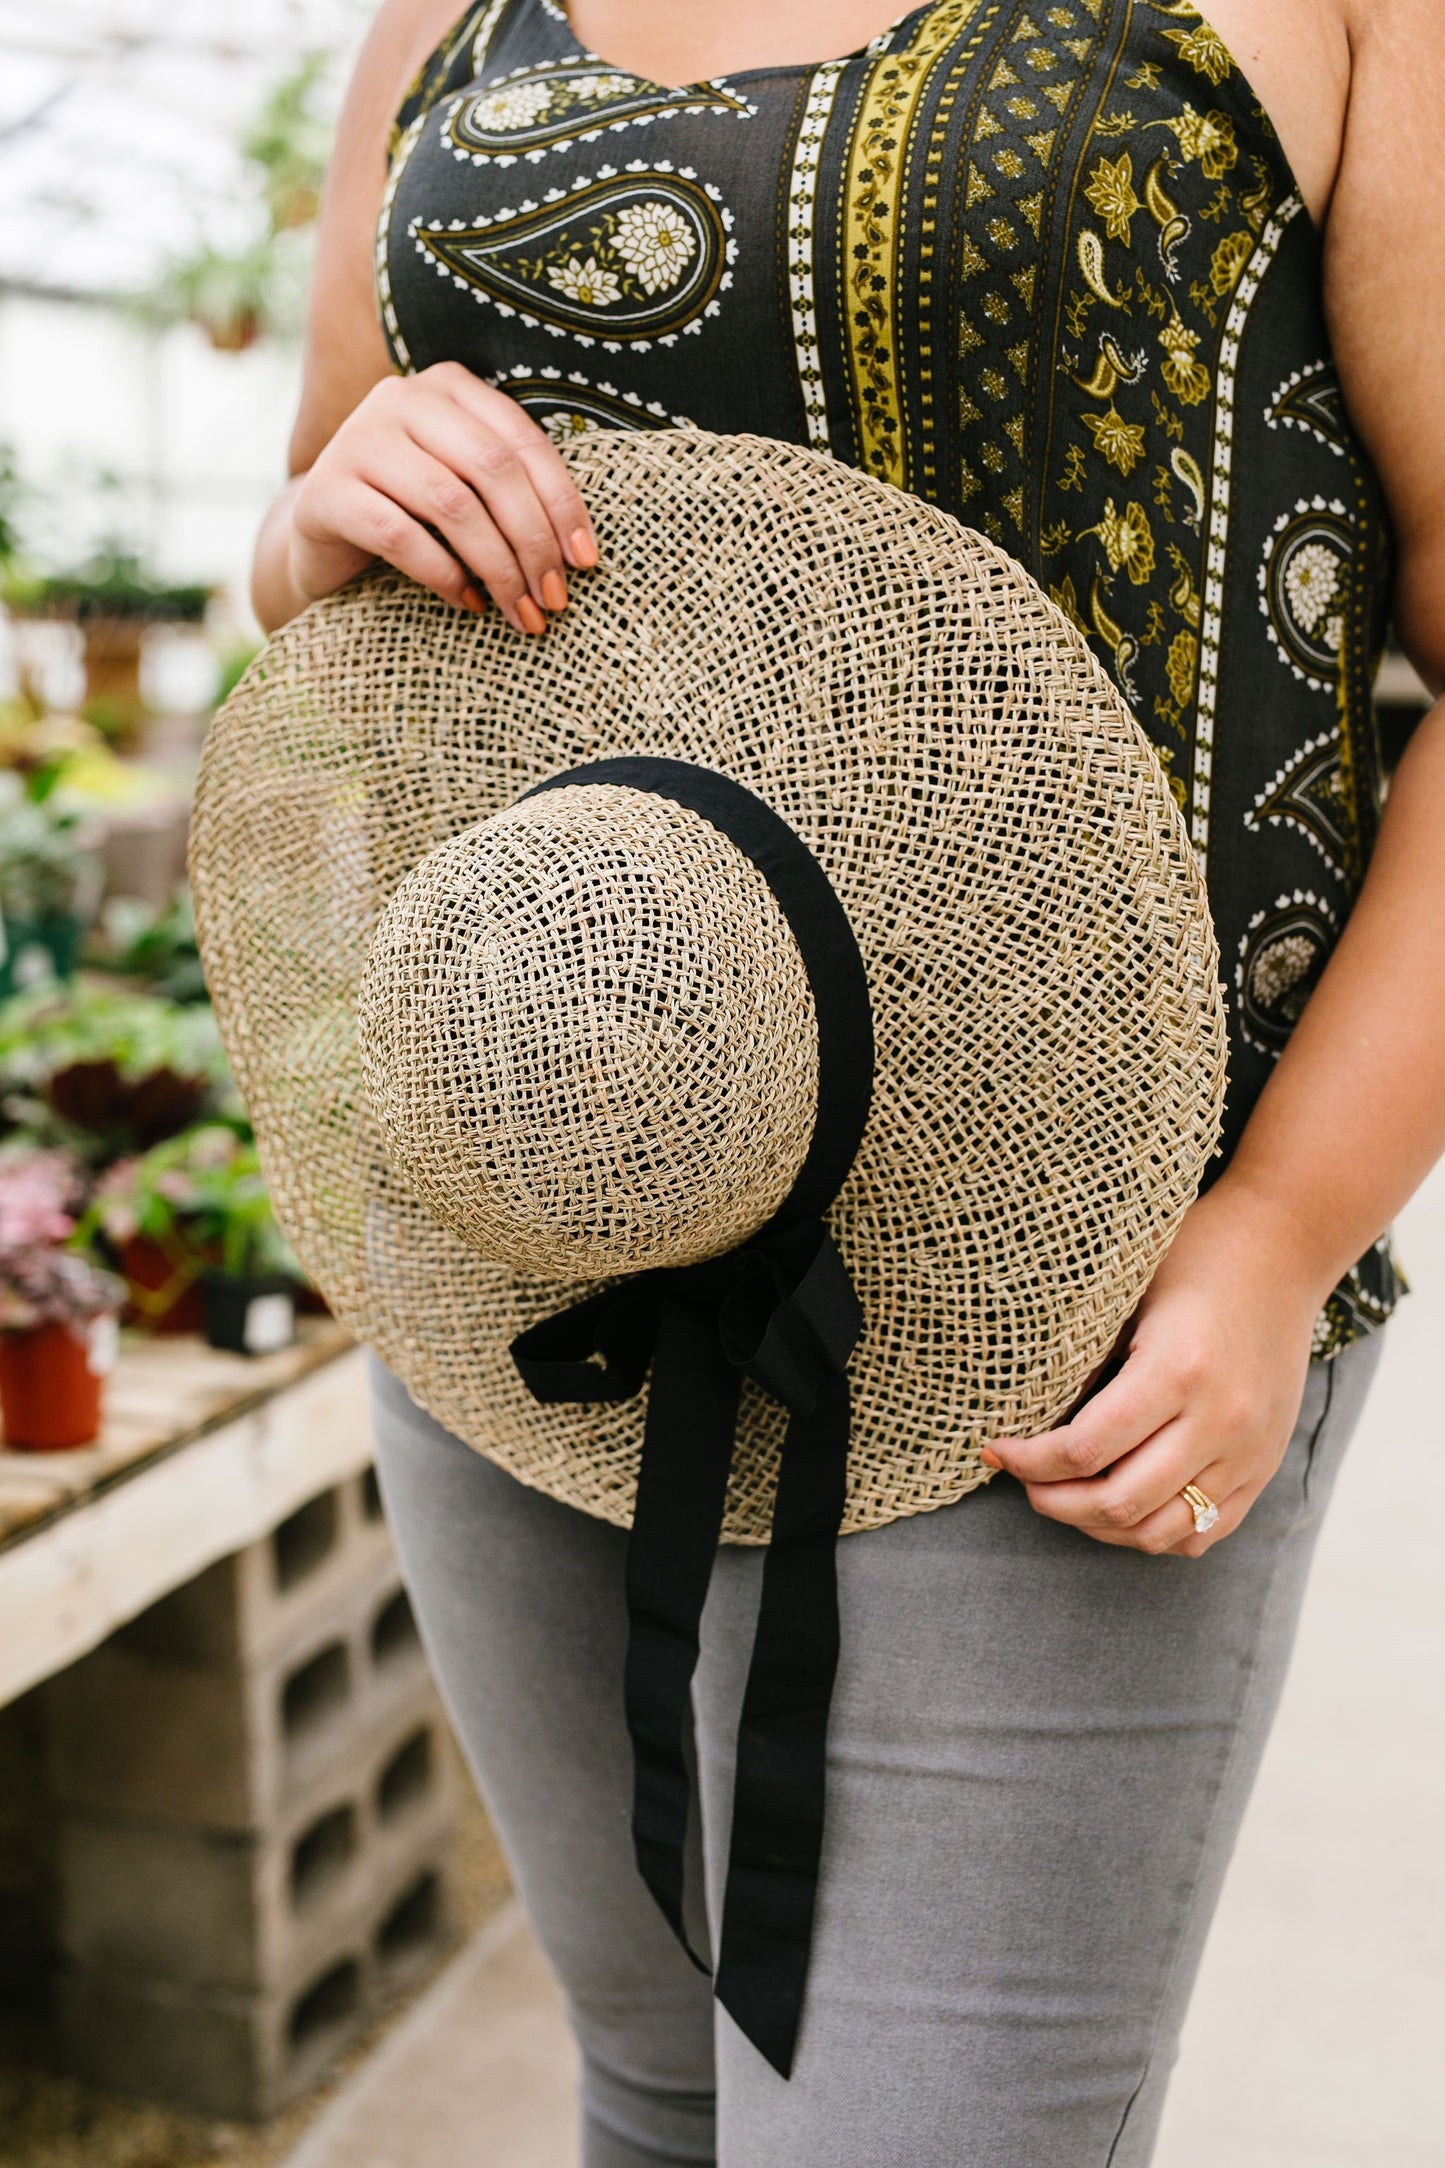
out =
column 587, row 1034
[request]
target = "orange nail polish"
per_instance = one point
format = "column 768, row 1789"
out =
column 472, row 599
column 531, row 617
column 989, row 1458
column 554, row 591
column 584, row 547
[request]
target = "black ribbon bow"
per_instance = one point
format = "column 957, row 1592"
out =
column 780, row 1310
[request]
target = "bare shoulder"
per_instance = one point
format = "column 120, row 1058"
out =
column 345, row 351
column 1296, row 54
column 1385, row 289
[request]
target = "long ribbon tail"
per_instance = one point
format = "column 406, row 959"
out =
column 687, row 1451
column 777, row 1827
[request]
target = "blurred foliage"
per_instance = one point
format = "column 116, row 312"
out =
column 12, row 490
column 205, row 1186
column 289, row 144
column 43, row 862
column 240, row 295
column 113, row 584
column 158, row 947
column 107, row 1071
column 234, row 665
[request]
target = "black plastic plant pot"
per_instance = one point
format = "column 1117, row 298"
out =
column 249, row 1314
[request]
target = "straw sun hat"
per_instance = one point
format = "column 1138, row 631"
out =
column 790, row 973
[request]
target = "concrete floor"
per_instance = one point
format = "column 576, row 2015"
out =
column 1315, row 2039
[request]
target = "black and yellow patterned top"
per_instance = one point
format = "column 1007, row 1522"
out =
column 1045, row 265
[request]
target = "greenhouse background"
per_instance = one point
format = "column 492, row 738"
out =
column 236, row 1840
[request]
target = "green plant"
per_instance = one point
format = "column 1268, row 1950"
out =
column 157, row 946
column 288, row 143
column 110, row 585
column 42, row 865
column 239, row 295
column 44, row 1279
column 109, row 1070
column 53, row 1028
column 205, row 1185
column 235, row 663
column 12, row 489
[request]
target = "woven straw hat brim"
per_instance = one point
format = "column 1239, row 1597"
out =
column 1042, row 968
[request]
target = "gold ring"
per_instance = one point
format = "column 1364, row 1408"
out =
column 1202, row 1506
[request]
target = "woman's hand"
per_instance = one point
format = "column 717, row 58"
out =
column 449, row 480
column 1209, row 1392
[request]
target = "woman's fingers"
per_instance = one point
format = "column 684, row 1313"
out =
column 1137, row 1488
column 1170, row 1529
column 458, row 459
column 1130, row 1408
column 551, row 481
column 479, row 468
column 379, row 526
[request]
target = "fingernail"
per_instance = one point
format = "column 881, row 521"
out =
column 990, row 1458
column 531, row 617
column 583, row 546
column 472, row 599
column 554, row 591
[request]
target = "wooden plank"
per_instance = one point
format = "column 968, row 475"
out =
column 163, row 1393
column 68, row 1582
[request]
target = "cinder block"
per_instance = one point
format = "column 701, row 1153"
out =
column 227, row 1910
column 228, row 2052
column 270, row 1594
column 227, row 1747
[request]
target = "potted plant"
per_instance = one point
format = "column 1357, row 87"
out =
column 45, row 874
column 237, row 295
column 58, row 1309
column 199, row 1200
column 113, row 599
column 117, row 1071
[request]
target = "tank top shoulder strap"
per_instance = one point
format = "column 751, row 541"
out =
column 460, row 57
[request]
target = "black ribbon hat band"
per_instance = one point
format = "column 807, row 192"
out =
column 779, row 1309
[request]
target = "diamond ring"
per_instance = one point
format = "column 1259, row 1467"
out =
column 1205, row 1511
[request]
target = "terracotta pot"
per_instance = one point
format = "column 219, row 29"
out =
column 164, row 1280
column 50, row 1384
column 112, row 671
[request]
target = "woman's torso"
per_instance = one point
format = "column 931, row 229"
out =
column 1045, row 265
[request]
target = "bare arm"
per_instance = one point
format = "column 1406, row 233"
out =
column 439, row 474
column 1354, row 1115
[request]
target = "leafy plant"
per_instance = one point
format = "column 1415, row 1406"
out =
column 120, row 1069
column 289, row 143
column 157, row 946
column 238, row 295
column 112, row 584
column 207, row 1186
column 43, row 1280
column 43, row 868
column 12, row 490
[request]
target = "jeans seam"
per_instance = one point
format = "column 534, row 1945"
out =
column 1220, row 1790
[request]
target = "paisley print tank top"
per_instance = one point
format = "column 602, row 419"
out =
column 1044, row 264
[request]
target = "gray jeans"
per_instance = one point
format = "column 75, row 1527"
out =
column 1040, row 1751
